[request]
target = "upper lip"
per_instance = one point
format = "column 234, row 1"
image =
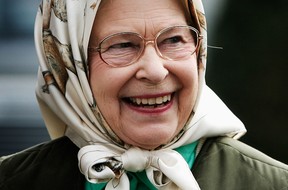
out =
column 147, row 96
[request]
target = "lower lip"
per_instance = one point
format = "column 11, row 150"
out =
column 157, row 110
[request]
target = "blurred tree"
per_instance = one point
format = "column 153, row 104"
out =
column 250, row 73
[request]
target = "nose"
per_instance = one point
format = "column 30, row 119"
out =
column 151, row 66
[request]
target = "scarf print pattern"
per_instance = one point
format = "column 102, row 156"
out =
column 62, row 30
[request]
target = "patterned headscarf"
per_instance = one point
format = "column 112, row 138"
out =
column 62, row 31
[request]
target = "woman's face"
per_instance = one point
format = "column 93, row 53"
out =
column 150, row 79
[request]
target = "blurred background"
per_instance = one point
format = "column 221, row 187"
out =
column 21, row 124
column 249, row 73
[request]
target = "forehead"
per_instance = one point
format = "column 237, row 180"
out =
column 145, row 17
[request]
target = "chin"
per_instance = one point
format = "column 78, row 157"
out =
column 152, row 140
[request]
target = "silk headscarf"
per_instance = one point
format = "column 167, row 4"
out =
column 62, row 31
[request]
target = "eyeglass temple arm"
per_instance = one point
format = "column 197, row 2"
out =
column 97, row 49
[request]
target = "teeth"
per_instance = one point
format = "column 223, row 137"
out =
column 159, row 100
column 137, row 100
column 151, row 101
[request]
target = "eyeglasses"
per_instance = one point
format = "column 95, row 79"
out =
column 125, row 48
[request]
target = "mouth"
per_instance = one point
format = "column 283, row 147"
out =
column 153, row 102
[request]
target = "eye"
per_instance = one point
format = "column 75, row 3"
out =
column 171, row 43
column 172, row 40
column 121, row 45
column 121, row 49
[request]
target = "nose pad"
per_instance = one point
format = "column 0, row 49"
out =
column 151, row 66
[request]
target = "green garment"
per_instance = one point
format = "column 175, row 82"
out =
column 140, row 181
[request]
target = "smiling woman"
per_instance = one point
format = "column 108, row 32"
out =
column 150, row 77
column 122, row 91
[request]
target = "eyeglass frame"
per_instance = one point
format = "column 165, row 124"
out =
column 145, row 41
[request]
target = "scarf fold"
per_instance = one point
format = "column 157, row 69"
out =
column 129, row 161
column 62, row 31
column 100, row 163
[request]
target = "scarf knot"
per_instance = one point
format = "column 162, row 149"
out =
column 165, row 168
column 135, row 159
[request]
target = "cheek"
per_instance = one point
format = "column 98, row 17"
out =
column 189, row 91
column 188, row 96
column 190, row 78
column 100, row 81
column 105, row 92
column 100, row 76
column 95, row 68
column 106, row 83
column 191, row 83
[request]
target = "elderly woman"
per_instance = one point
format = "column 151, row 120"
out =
column 122, row 91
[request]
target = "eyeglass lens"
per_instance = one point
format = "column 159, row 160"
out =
column 174, row 43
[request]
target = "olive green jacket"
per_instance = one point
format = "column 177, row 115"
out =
column 222, row 164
